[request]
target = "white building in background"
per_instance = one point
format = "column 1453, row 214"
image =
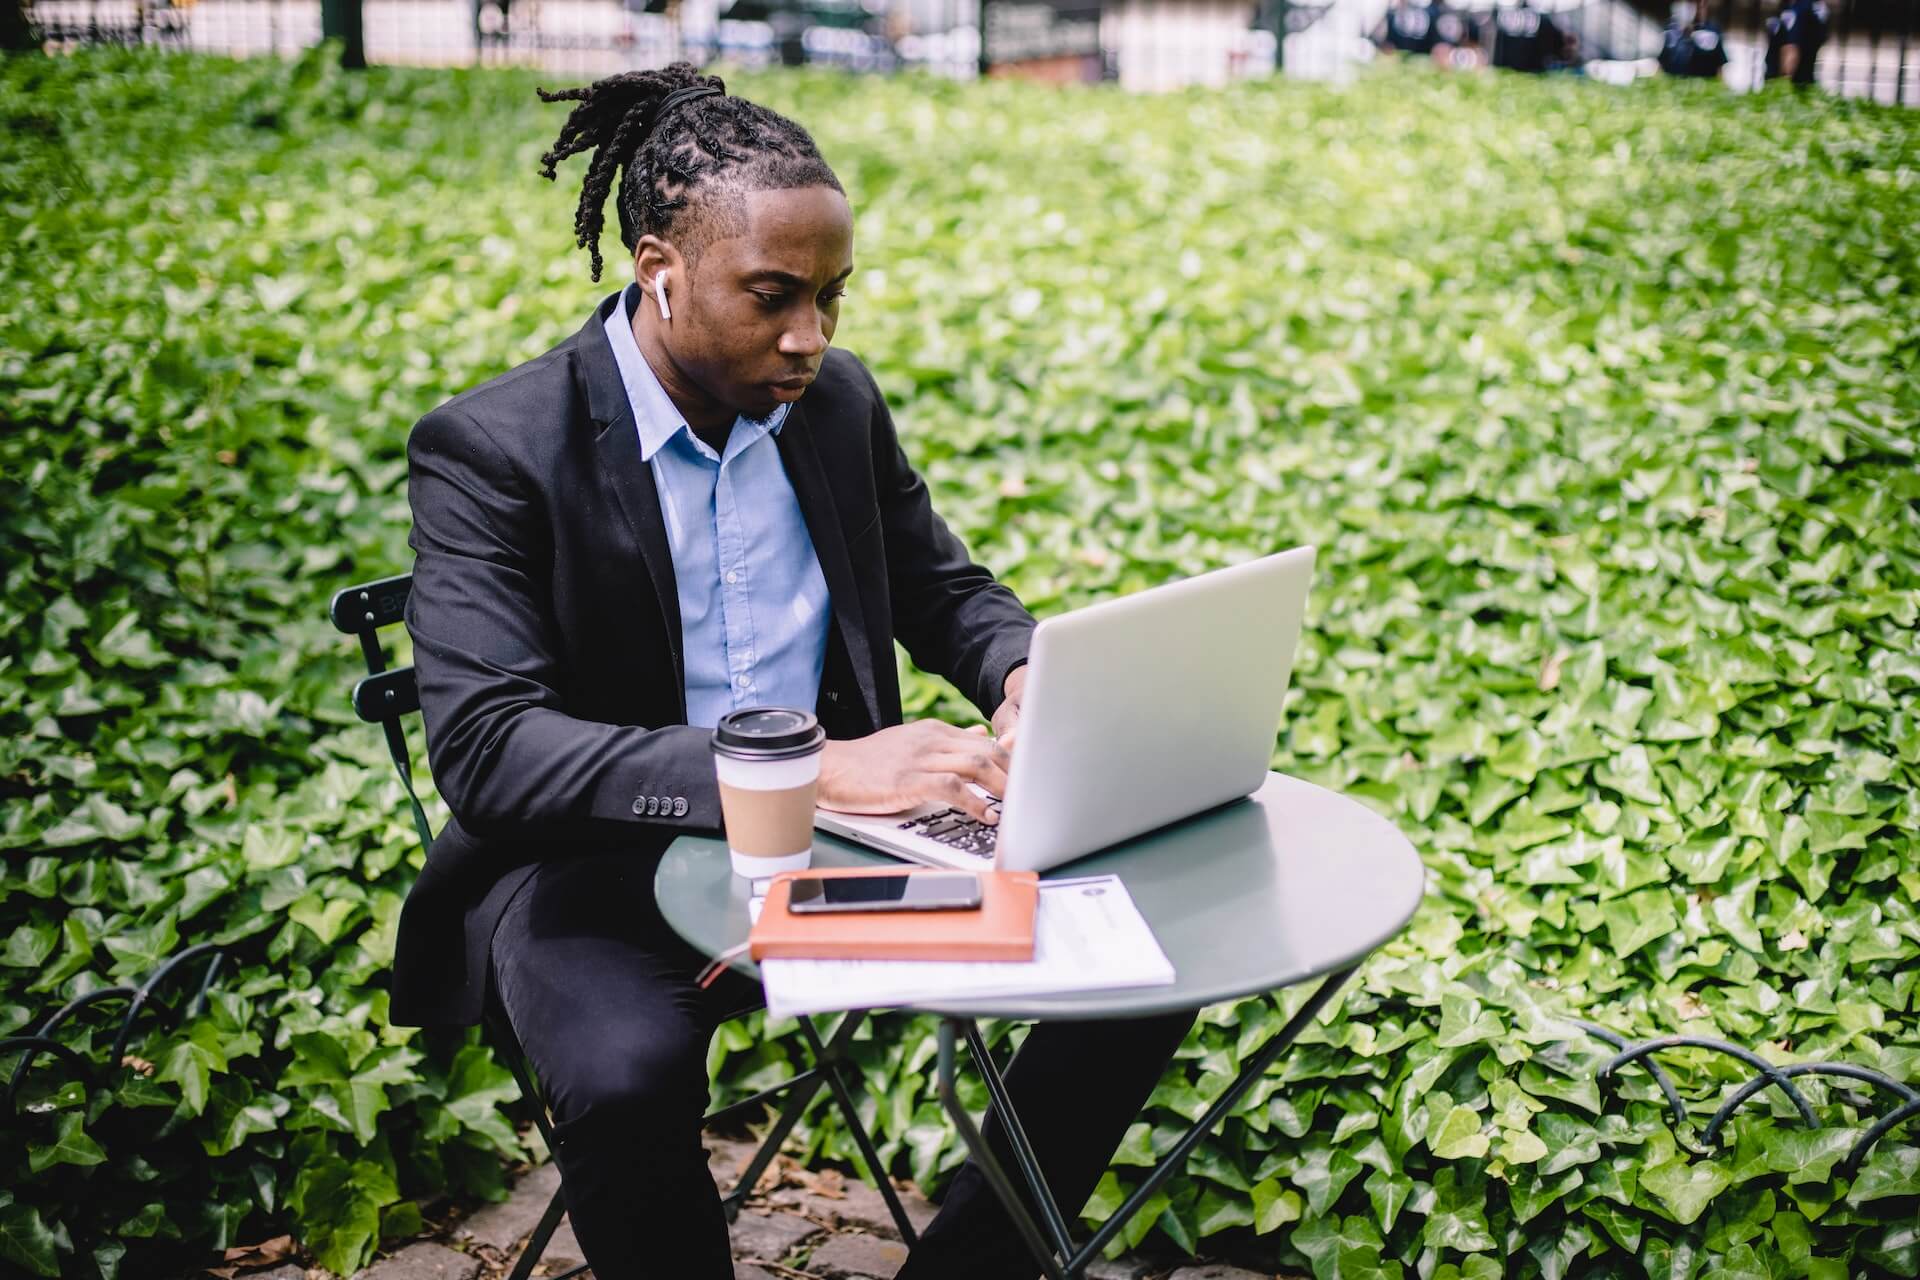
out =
column 1168, row 44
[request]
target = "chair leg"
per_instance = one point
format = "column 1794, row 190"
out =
column 507, row 1045
column 537, row 1243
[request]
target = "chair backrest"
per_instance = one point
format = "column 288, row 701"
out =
column 383, row 696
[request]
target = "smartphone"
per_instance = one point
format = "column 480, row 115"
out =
column 908, row 891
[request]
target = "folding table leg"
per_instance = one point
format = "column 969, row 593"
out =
column 860, row 1136
column 984, row 1157
column 1061, row 1261
column 1176, row 1158
column 796, row 1105
column 1029, row 1164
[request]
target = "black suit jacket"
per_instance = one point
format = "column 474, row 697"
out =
column 546, row 629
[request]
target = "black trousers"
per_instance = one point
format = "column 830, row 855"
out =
column 600, row 992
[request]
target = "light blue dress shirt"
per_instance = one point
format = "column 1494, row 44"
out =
column 753, row 603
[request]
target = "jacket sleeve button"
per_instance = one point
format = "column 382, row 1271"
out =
column 653, row 805
column 679, row 806
column 639, row 806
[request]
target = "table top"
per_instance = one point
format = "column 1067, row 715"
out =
column 1292, row 883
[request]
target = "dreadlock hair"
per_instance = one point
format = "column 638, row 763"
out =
column 719, row 146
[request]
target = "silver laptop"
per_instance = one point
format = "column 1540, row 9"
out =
column 1139, row 712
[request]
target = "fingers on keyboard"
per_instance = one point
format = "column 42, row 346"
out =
column 956, row 830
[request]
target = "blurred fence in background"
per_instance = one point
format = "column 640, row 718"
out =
column 1873, row 50
column 1068, row 41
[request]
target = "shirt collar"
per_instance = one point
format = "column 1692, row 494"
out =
column 654, row 414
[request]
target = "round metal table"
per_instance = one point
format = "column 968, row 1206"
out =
column 1294, row 883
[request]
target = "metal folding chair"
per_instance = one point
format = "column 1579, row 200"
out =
column 385, row 696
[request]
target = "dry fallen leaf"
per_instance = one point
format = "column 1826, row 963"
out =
column 1688, row 1006
column 250, row 1257
column 1550, row 669
column 276, row 1249
column 828, row 1183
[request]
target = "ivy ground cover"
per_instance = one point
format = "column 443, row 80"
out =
column 1600, row 404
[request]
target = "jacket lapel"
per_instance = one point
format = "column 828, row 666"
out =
column 628, row 477
column 808, row 477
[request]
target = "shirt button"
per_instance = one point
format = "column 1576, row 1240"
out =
column 733, row 576
column 743, row 681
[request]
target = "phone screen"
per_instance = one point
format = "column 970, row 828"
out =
column 909, row 891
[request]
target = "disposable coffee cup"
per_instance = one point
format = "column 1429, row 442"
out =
column 768, row 761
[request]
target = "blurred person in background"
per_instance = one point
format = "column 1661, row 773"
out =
column 1456, row 39
column 1694, row 45
column 1525, row 39
column 1794, row 37
column 1406, row 28
column 1570, row 60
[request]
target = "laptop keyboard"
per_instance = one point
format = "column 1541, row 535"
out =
column 957, row 830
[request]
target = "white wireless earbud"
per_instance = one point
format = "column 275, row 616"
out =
column 660, row 295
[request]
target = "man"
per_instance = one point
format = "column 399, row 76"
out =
column 1794, row 37
column 1525, row 39
column 689, row 506
column 1694, row 48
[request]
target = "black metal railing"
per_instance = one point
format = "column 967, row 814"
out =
column 43, row 1040
column 1766, row 1075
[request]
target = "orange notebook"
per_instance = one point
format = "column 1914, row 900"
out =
column 1000, row 929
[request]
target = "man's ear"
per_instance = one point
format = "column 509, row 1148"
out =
column 654, row 256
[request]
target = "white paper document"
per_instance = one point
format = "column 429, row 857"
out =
column 1087, row 936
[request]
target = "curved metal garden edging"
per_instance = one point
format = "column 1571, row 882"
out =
column 1766, row 1073
column 42, row 1041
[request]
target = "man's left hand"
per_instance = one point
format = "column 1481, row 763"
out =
column 1007, row 716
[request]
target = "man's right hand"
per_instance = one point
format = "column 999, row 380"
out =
column 920, row 762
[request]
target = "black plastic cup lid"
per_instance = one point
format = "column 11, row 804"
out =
column 768, row 733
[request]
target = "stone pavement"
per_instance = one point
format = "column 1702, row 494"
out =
column 798, row 1225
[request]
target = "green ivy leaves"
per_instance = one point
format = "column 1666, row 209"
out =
column 1605, row 435
column 339, row 1203
column 25, row 1239
column 70, row 1145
